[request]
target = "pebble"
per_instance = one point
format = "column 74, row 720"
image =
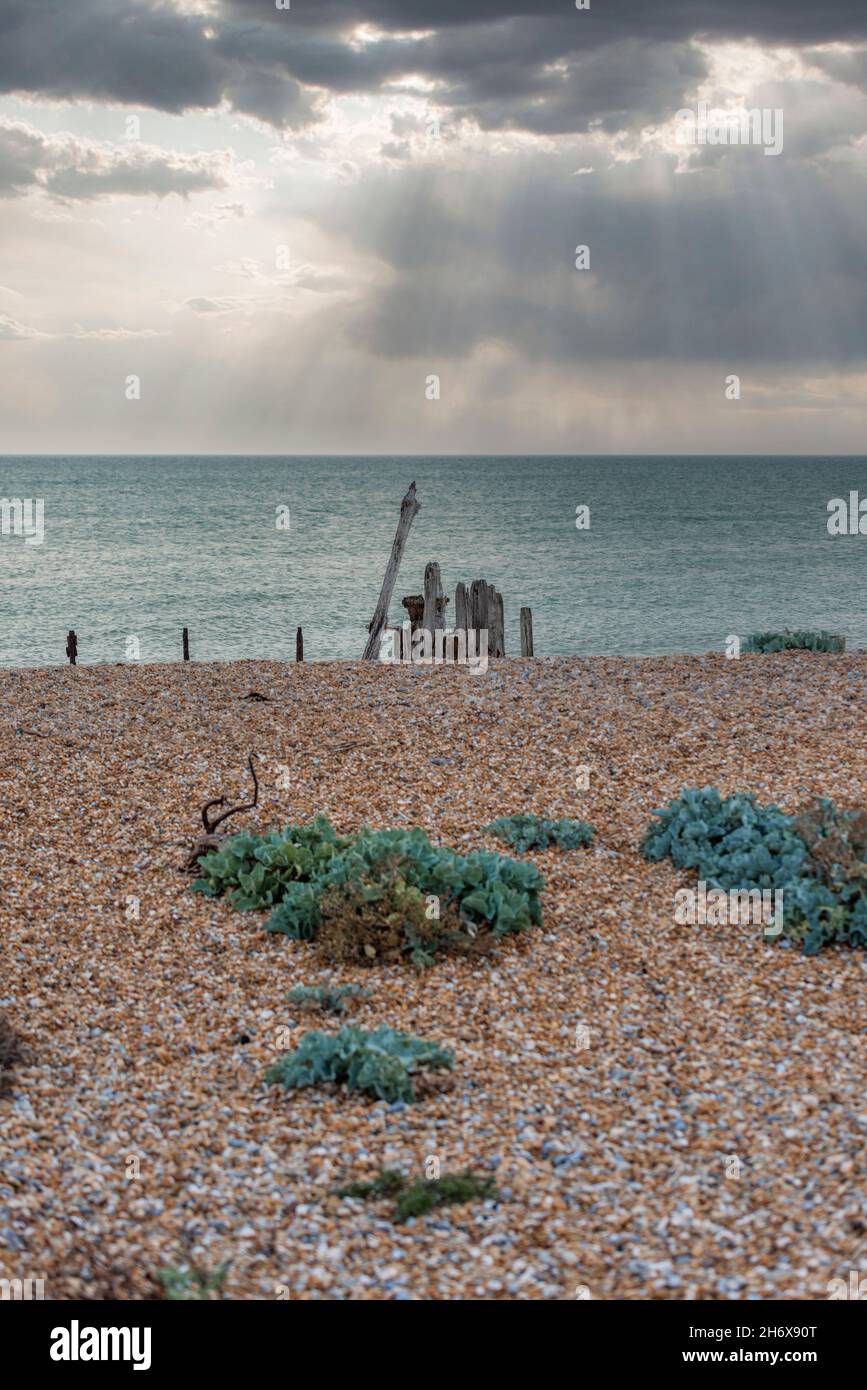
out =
column 135, row 1135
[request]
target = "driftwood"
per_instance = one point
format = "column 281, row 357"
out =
column 498, row 637
column 478, row 604
column 432, row 594
column 408, row 508
column 462, row 608
column 210, row 841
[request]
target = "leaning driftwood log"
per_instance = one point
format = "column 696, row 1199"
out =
column 408, row 508
column 211, row 840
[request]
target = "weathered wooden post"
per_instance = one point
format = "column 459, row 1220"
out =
column 526, row 632
column 71, row 647
column 408, row 508
column 432, row 592
column 299, row 645
column 479, row 616
column 462, row 608
column 186, row 644
column 498, row 626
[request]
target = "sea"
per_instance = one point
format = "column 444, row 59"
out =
column 613, row 555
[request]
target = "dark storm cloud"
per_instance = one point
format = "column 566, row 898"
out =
column 790, row 21
column 696, row 277
column 540, row 65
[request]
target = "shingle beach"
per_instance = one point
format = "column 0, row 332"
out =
column 136, row 1134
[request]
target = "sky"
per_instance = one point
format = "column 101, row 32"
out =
column 352, row 226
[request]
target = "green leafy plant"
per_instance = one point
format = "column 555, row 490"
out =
column 800, row 640
column 380, row 917
column 330, row 1001
column 732, row 842
column 380, row 895
column 185, row 1285
column 829, row 902
column 258, row 869
column 452, row 1188
column 424, row 1195
column 818, row 858
column 528, row 832
column 481, row 890
column 387, row 1183
column 382, row 1062
column 298, row 913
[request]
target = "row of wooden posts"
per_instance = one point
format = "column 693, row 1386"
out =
column 477, row 608
column 469, row 613
column 72, row 645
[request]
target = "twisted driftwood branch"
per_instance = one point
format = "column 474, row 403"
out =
column 210, row 826
column 211, row 840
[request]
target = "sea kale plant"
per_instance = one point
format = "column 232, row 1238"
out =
column 527, row 832
column 731, row 842
column 787, row 641
column 258, row 869
column 817, row 858
column 382, row 1062
column 380, row 895
column 829, row 902
column 327, row 1000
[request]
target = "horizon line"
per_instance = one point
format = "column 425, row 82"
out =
column 147, row 454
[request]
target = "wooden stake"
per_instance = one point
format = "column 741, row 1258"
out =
column 186, row 644
column 462, row 608
column 526, row 632
column 479, row 616
column 71, row 647
column 498, row 636
column 299, row 645
column 408, row 508
column 432, row 618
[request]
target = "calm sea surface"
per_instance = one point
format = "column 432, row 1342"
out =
column 680, row 551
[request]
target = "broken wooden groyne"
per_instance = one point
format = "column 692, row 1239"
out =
column 478, row 607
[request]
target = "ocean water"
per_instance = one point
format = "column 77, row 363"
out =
column 680, row 552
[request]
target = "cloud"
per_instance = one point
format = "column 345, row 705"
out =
column 116, row 335
column 278, row 292
column 68, row 167
column 13, row 331
column 537, row 65
column 452, row 254
column 210, row 220
column 202, row 304
column 680, row 269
